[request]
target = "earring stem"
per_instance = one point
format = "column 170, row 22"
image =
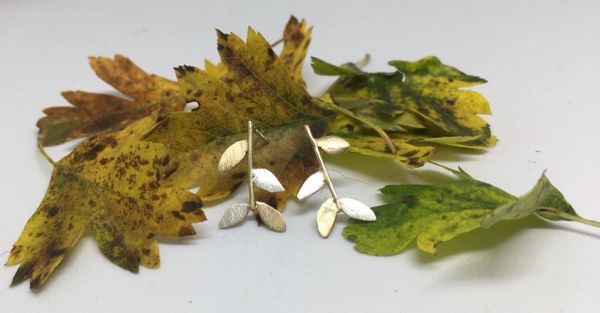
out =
column 322, row 165
column 250, row 182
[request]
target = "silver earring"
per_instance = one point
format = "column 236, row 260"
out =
column 328, row 211
column 261, row 177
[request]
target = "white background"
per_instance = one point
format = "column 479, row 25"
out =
column 541, row 59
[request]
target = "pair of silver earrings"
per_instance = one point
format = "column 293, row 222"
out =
column 266, row 180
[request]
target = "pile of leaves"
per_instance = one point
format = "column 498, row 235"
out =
column 128, row 182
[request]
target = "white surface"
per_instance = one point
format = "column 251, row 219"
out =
column 541, row 60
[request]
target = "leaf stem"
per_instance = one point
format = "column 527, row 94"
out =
column 323, row 167
column 460, row 173
column 277, row 42
column 571, row 217
column 364, row 61
column 45, row 155
column 362, row 119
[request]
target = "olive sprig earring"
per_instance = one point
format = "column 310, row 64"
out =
column 261, row 177
column 328, row 211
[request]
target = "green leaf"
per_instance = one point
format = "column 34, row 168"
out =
column 420, row 101
column 431, row 214
column 544, row 199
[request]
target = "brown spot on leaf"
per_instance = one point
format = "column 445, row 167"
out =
column 191, row 206
column 178, row 215
column 53, row 211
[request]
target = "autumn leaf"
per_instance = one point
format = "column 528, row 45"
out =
column 421, row 102
column 110, row 185
column 257, row 86
column 296, row 39
column 94, row 113
column 431, row 214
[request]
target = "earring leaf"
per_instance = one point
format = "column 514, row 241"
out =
column 311, row 185
column 332, row 144
column 270, row 217
column 266, row 180
column 357, row 210
column 234, row 215
column 233, row 155
column 326, row 217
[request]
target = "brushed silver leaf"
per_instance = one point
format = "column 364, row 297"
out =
column 332, row 144
column 311, row 185
column 271, row 217
column 233, row 155
column 326, row 217
column 264, row 179
column 357, row 210
column 234, row 215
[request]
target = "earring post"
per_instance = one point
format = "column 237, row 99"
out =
column 250, row 182
column 323, row 168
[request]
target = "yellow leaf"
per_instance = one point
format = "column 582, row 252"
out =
column 296, row 38
column 257, row 87
column 110, row 186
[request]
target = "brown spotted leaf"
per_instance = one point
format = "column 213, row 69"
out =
column 259, row 87
column 296, row 39
column 109, row 185
column 94, row 113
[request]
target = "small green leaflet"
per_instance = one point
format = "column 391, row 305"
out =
column 431, row 214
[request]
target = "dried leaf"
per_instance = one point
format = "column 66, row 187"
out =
column 258, row 87
column 296, row 39
column 94, row 113
column 110, row 186
column 432, row 214
column 429, row 91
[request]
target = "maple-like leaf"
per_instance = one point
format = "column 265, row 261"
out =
column 94, row 113
column 257, row 86
column 432, row 214
column 296, row 39
column 421, row 102
column 110, row 185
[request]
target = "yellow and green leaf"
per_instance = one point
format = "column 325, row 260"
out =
column 110, row 186
column 432, row 214
column 421, row 100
